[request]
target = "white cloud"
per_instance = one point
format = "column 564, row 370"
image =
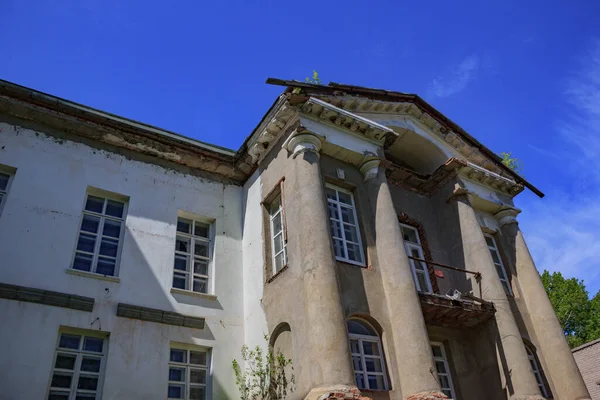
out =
column 457, row 80
column 563, row 230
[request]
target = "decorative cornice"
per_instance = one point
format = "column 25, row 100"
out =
column 507, row 215
column 270, row 128
column 362, row 105
column 327, row 112
column 491, row 179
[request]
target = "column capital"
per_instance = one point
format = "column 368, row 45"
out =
column 507, row 215
column 303, row 142
column 369, row 168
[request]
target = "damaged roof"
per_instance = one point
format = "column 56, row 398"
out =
column 236, row 166
column 338, row 89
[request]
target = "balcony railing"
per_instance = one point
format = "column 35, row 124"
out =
column 458, row 310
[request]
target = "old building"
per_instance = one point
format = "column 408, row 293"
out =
column 587, row 357
column 371, row 237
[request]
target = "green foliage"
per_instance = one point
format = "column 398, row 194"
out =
column 512, row 162
column 315, row 78
column 578, row 315
column 265, row 376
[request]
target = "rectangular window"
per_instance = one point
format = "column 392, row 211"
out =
column 412, row 244
column 4, row 185
column 344, row 226
column 78, row 368
column 443, row 370
column 188, row 374
column 100, row 235
column 491, row 242
column 193, row 254
column 278, row 239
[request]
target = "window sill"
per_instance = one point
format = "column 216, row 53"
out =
column 352, row 263
column 281, row 271
column 94, row 275
column 194, row 294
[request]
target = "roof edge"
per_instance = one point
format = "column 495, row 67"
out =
column 333, row 87
column 35, row 96
column 583, row 346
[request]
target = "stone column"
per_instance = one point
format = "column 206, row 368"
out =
column 329, row 350
column 520, row 380
column 561, row 368
column 409, row 333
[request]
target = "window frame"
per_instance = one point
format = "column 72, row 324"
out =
column 419, row 247
column 353, row 207
column 105, row 195
column 504, row 278
column 187, row 366
column 373, row 339
column 443, row 359
column 10, row 172
column 79, row 354
column 281, row 212
column 189, row 273
column 537, row 370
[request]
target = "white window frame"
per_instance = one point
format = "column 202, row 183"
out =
column 502, row 270
column 187, row 366
column 79, row 354
column 373, row 339
column 535, row 367
column 408, row 247
column 279, row 213
column 191, row 256
column 443, row 359
column 339, row 205
column 98, row 235
column 4, row 192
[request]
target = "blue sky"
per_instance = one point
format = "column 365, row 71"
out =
column 520, row 77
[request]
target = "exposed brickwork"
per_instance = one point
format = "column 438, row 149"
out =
column 344, row 394
column 427, row 396
column 587, row 358
column 405, row 219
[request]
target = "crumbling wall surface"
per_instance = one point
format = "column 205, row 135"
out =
column 39, row 227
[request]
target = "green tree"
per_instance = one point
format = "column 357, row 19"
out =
column 266, row 375
column 512, row 162
column 578, row 315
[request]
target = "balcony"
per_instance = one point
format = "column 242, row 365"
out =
column 460, row 310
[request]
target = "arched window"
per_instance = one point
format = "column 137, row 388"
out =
column 537, row 371
column 367, row 356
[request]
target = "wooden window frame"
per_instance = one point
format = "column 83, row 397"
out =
column 406, row 220
column 189, row 273
column 99, row 234
column 419, row 247
column 268, row 245
column 504, row 277
column 444, row 360
column 187, row 366
column 537, row 371
column 339, row 205
column 363, row 357
column 79, row 354
column 10, row 173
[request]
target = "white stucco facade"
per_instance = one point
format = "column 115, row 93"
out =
column 39, row 227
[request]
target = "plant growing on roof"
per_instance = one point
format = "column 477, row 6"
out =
column 512, row 162
column 265, row 376
column 314, row 80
